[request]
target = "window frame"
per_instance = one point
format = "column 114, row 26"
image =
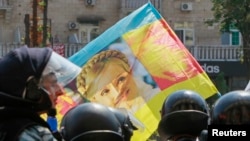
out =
column 87, row 30
column 230, row 40
column 184, row 34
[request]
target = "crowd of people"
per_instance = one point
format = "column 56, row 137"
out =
column 31, row 79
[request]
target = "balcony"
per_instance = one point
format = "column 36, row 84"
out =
column 216, row 53
column 134, row 4
column 4, row 4
column 128, row 6
column 201, row 53
column 5, row 10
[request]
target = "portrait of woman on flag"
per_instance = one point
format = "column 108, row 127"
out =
column 110, row 76
column 107, row 78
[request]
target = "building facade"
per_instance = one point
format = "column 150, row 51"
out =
column 80, row 21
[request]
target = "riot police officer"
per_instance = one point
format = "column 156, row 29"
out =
column 91, row 122
column 184, row 116
column 232, row 108
column 31, row 79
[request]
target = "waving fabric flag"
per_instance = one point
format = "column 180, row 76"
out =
column 248, row 87
column 136, row 64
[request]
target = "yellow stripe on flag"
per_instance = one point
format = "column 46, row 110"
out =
column 170, row 64
column 149, row 115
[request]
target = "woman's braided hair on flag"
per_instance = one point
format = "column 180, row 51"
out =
column 91, row 67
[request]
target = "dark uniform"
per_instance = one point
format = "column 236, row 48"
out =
column 21, row 98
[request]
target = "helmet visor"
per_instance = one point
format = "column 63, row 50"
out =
column 64, row 70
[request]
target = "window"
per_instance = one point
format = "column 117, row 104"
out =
column 186, row 36
column 235, row 38
column 232, row 38
column 88, row 32
column 83, row 36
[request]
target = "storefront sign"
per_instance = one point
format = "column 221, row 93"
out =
column 233, row 68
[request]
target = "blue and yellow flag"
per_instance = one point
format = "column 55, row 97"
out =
column 136, row 64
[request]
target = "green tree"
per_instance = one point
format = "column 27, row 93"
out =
column 44, row 4
column 34, row 35
column 221, row 84
column 234, row 13
column 35, row 27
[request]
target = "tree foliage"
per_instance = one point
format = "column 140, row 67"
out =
column 234, row 13
column 39, row 32
column 221, row 84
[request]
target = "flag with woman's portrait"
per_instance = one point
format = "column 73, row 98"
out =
column 136, row 64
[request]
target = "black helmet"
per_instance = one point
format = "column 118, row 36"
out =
column 127, row 121
column 16, row 68
column 232, row 108
column 21, row 72
column 90, row 122
column 183, row 112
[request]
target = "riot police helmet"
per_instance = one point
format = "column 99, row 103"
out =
column 90, row 122
column 128, row 121
column 22, row 71
column 232, row 108
column 183, row 112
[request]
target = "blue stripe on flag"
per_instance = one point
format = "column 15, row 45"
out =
column 144, row 15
